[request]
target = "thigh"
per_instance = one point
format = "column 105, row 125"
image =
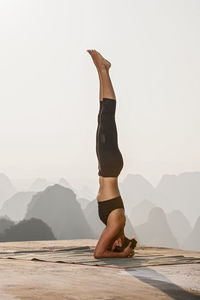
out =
column 108, row 153
column 107, row 134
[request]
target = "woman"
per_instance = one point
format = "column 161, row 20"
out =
column 110, row 164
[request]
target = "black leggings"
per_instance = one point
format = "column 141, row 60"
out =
column 110, row 160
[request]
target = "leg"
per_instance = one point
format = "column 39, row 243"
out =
column 110, row 160
column 108, row 153
column 109, row 156
column 100, row 86
column 108, row 91
column 103, row 66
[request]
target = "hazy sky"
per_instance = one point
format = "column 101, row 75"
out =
column 49, row 86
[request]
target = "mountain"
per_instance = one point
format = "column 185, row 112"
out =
column 85, row 192
column 156, row 231
column 57, row 206
column 179, row 225
column 83, row 202
column 62, row 181
column 6, row 188
column 16, row 206
column 5, row 223
column 66, row 184
column 180, row 192
column 192, row 242
column 91, row 215
column 28, row 230
column 134, row 189
column 129, row 229
column 39, row 184
column 140, row 212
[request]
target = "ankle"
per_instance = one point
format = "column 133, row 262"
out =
column 103, row 69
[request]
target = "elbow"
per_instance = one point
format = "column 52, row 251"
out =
column 97, row 254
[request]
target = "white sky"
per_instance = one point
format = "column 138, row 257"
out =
column 49, row 86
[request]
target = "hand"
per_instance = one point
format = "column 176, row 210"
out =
column 128, row 251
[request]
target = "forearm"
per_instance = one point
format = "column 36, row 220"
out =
column 108, row 253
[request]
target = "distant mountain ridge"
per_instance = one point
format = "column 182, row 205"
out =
column 140, row 212
column 39, row 184
column 27, row 230
column 181, row 192
column 7, row 189
column 192, row 241
column 70, row 216
column 156, row 230
column 16, row 206
column 57, row 206
column 5, row 223
column 134, row 189
column 179, row 225
column 173, row 192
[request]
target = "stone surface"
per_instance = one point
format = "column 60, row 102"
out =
column 66, row 269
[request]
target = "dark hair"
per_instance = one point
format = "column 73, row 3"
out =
column 126, row 241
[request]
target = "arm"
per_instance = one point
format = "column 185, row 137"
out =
column 108, row 253
column 107, row 238
column 127, row 252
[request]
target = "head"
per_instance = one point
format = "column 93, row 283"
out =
column 118, row 242
column 122, row 242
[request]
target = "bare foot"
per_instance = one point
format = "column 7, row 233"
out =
column 100, row 62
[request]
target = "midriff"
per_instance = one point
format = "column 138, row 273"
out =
column 108, row 188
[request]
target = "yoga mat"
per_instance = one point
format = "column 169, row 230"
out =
column 84, row 256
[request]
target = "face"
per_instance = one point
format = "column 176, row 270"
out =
column 118, row 241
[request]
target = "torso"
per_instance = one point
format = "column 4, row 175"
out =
column 108, row 188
